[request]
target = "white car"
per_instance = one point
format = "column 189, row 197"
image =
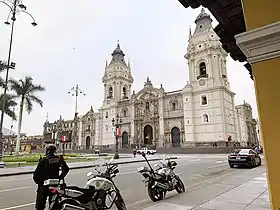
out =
column 146, row 151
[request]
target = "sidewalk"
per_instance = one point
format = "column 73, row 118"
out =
column 231, row 193
column 252, row 195
column 76, row 165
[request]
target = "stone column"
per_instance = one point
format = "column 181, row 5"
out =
column 161, row 122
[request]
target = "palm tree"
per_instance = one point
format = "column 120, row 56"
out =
column 9, row 104
column 2, row 68
column 25, row 90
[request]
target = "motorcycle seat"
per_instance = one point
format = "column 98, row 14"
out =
column 83, row 190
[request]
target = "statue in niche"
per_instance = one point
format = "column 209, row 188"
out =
column 206, row 118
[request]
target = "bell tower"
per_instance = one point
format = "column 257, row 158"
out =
column 206, row 57
column 209, row 110
column 117, row 77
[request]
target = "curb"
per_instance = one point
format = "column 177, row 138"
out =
column 80, row 167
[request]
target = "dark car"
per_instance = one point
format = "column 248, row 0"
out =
column 244, row 157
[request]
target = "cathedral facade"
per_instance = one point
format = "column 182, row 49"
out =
column 202, row 113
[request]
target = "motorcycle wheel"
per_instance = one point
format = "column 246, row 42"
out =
column 180, row 187
column 120, row 204
column 155, row 194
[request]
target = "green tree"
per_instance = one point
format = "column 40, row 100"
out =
column 2, row 68
column 25, row 90
column 9, row 105
column 10, row 99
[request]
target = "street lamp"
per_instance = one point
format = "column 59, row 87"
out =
column 117, row 124
column 75, row 91
column 15, row 7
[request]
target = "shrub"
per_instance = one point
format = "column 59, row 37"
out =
column 31, row 158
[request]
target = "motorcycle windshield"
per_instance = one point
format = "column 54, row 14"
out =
column 101, row 163
column 164, row 160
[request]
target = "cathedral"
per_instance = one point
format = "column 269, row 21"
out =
column 201, row 114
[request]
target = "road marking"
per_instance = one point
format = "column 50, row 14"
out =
column 14, row 189
column 19, row 206
column 11, row 180
column 221, row 161
column 216, row 166
column 195, row 160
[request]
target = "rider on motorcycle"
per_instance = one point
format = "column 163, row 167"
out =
column 48, row 168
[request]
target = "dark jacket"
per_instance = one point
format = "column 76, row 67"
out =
column 48, row 168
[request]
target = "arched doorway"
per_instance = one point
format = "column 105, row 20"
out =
column 175, row 136
column 148, row 135
column 124, row 139
column 88, row 142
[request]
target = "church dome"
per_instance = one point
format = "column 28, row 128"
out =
column 202, row 15
column 118, row 50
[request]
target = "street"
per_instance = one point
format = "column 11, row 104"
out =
column 18, row 192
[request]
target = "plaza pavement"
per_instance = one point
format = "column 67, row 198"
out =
column 210, row 184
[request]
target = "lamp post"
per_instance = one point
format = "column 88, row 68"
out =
column 15, row 7
column 116, row 123
column 75, row 91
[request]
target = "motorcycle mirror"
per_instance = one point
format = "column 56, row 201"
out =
column 89, row 174
column 143, row 154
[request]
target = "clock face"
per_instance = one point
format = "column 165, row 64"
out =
column 201, row 82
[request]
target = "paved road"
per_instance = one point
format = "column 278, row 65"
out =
column 18, row 192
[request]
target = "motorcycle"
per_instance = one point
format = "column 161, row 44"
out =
column 105, row 187
column 162, row 179
column 100, row 192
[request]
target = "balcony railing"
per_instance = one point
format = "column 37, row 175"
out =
column 202, row 76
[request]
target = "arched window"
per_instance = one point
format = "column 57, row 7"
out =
column 147, row 105
column 202, row 69
column 124, row 113
column 124, row 93
column 173, row 106
column 205, row 118
column 110, row 92
column 88, row 129
column 106, row 115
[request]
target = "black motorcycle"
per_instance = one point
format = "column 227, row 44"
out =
column 161, row 180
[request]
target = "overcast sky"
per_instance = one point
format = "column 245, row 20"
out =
column 74, row 39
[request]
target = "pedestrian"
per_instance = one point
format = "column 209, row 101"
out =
column 48, row 168
column 134, row 152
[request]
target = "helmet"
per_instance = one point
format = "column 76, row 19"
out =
column 50, row 149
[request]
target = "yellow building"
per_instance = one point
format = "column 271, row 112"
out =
column 31, row 143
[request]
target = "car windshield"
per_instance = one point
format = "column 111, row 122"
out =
column 241, row 151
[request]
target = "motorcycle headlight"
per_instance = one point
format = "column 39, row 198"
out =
column 98, row 183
